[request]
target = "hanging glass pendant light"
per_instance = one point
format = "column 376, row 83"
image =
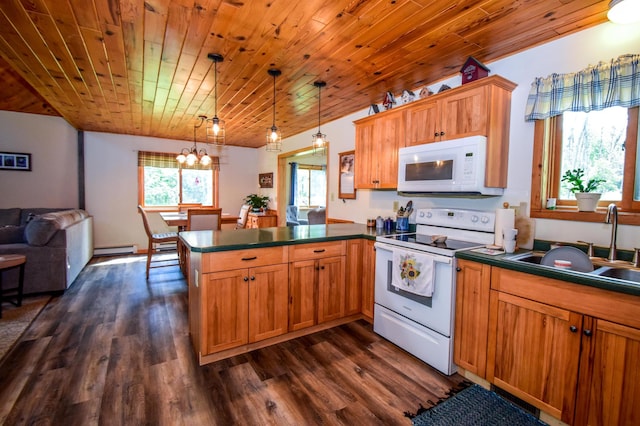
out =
column 191, row 156
column 216, row 129
column 319, row 140
column 274, row 136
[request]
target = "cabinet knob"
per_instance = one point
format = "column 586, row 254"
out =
column 458, row 269
column 587, row 332
column 435, row 134
column 322, row 267
column 246, row 278
column 573, row 329
column 253, row 278
column 441, row 133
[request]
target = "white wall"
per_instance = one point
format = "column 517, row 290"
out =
column 569, row 54
column 112, row 183
column 52, row 143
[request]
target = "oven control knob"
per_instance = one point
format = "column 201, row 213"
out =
column 428, row 214
column 474, row 218
column 485, row 219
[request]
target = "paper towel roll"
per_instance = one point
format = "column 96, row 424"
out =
column 505, row 219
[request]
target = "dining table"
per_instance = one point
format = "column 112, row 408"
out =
column 179, row 219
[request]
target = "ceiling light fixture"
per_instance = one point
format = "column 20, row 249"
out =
column 274, row 136
column 624, row 11
column 215, row 131
column 191, row 155
column 319, row 140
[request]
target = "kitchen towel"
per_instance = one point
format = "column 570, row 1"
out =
column 505, row 219
column 413, row 272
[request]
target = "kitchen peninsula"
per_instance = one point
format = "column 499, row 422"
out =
column 250, row 288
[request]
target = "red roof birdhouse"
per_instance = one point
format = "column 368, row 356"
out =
column 472, row 70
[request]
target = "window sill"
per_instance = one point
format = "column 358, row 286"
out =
column 571, row 213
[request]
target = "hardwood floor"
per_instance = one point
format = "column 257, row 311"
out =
column 115, row 349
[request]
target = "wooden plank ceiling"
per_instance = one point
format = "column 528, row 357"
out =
column 140, row 67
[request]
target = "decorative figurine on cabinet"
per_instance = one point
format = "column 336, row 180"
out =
column 389, row 100
column 408, row 96
column 473, row 70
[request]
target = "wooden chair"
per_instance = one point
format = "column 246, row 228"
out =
column 183, row 207
column 243, row 215
column 204, row 219
column 167, row 237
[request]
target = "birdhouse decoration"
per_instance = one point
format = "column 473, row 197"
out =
column 473, row 70
column 408, row 96
column 389, row 100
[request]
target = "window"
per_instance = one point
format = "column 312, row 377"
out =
column 311, row 186
column 162, row 182
column 604, row 144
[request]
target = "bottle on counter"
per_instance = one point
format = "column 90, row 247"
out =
column 379, row 223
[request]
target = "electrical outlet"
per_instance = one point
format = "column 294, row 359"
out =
column 396, row 206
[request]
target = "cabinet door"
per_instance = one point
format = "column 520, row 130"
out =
column 423, row 124
column 353, row 277
column 473, row 286
column 302, row 287
column 368, row 278
column 609, row 387
column 534, row 351
column 331, row 287
column 389, row 133
column 366, row 169
column 268, row 287
column 465, row 114
column 225, row 300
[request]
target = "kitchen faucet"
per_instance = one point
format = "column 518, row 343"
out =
column 612, row 210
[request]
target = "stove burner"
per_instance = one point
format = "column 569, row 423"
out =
column 425, row 240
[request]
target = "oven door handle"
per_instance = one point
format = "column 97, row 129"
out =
column 391, row 248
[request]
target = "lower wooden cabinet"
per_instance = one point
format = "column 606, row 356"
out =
column 534, row 351
column 243, row 306
column 353, row 277
column 473, row 284
column 368, row 278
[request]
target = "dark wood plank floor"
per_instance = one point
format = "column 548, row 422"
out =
column 114, row 349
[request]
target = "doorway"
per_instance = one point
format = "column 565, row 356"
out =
column 309, row 194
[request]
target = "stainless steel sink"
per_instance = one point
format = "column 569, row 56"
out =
column 527, row 257
column 619, row 273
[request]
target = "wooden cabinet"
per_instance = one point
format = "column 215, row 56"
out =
column 568, row 349
column 482, row 107
column 261, row 220
column 242, row 298
column 534, row 352
column 368, row 278
column 353, row 277
column 609, row 388
column 473, row 284
column 316, row 283
column 378, row 139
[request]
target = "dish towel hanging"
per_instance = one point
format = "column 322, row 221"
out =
column 413, row 272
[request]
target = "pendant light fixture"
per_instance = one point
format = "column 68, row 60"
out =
column 215, row 131
column 191, row 156
column 274, row 136
column 624, row 11
column 319, row 140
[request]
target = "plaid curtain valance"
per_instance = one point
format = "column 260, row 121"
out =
column 616, row 83
column 168, row 161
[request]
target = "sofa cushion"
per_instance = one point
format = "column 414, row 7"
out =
column 27, row 214
column 42, row 228
column 10, row 217
column 11, row 234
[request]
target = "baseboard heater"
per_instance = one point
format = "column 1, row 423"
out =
column 110, row 251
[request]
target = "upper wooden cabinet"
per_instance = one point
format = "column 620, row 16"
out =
column 482, row 107
column 378, row 139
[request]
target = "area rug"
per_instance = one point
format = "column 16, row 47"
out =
column 475, row 406
column 15, row 320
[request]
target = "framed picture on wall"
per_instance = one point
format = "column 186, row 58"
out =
column 265, row 180
column 15, row 161
column 346, row 185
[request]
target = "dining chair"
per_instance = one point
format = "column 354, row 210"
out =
column 204, row 219
column 183, row 207
column 242, row 217
column 158, row 238
column 317, row 216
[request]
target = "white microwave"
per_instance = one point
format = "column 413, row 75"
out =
column 455, row 167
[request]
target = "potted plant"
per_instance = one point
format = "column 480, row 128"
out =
column 585, row 194
column 257, row 202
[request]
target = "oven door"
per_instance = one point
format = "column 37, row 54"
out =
column 435, row 312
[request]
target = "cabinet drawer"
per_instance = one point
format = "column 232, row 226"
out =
column 236, row 259
column 316, row 250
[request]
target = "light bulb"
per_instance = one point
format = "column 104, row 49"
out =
column 181, row 158
column 216, row 128
column 624, row 11
column 274, row 136
column 205, row 160
column 191, row 159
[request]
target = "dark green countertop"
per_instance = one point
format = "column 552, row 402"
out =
column 238, row 239
column 502, row 261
